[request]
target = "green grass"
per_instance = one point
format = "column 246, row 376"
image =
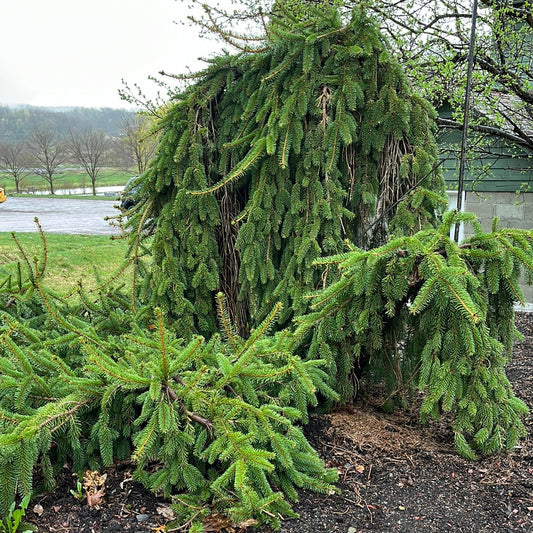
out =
column 89, row 258
column 69, row 179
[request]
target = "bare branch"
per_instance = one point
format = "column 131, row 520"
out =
column 498, row 132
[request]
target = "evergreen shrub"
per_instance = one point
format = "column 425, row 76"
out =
column 215, row 423
column 292, row 219
column 278, row 157
column 273, row 158
column 424, row 312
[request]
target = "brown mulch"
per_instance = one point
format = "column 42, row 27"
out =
column 395, row 476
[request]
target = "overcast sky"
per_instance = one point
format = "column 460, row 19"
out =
column 76, row 52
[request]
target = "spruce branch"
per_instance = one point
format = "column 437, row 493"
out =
column 255, row 153
column 192, row 416
column 444, row 295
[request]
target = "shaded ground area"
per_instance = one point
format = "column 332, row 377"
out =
column 395, row 476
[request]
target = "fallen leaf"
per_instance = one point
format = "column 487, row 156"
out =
column 95, row 498
column 360, row 469
column 216, row 522
column 247, row 523
column 166, row 512
column 94, row 485
column 92, row 480
column 38, row 509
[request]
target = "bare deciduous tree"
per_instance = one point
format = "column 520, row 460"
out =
column 138, row 139
column 88, row 149
column 15, row 161
column 49, row 152
column 433, row 39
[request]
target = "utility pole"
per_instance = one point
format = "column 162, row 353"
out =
column 464, row 139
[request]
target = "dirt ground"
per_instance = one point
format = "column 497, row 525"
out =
column 395, row 476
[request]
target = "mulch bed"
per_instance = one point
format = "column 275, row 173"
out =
column 395, row 476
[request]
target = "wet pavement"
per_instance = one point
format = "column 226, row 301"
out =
column 57, row 215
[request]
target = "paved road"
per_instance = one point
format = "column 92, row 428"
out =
column 56, row 215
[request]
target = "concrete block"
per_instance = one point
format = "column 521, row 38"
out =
column 525, row 223
column 525, row 198
column 505, row 198
column 509, row 212
column 479, row 197
column 483, row 211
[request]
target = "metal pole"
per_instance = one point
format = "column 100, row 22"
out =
column 464, row 139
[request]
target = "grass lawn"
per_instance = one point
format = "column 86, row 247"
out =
column 89, row 258
column 69, row 179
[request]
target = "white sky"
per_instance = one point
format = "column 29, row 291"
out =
column 76, row 52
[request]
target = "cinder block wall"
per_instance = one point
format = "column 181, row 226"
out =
column 514, row 211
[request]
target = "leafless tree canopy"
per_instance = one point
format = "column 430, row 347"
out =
column 49, row 151
column 88, row 149
column 432, row 39
column 138, row 139
column 14, row 161
column 41, row 141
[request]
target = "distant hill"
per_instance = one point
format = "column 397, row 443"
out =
column 17, row 122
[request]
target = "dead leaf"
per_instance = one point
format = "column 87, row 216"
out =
column 360, row 468
column 92, row 480
column 38, row 509
column 95, row 498
column 247, row 523
column 166, row 512
column 217, row 522
column 94, row 485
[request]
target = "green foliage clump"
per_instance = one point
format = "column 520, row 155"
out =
column 12, row 522
column 272, row 158
column 275, row 158
column 216, row 423
column 270, row 165
column 424, row 308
